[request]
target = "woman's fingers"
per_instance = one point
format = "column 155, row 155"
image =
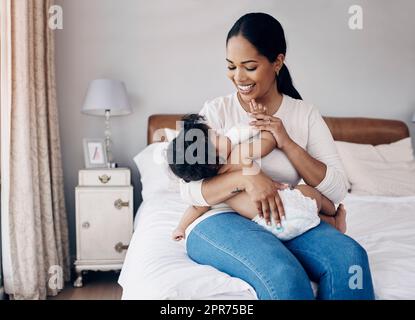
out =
column 265, row 128
column 259, row 209
column 265, row 117
column 266, row 212
column 260, row 123
column 264, row 121
column 274, row 210
column 280, row 207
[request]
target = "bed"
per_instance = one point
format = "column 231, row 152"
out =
column 158, row 268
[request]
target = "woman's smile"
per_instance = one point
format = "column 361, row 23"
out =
column 246, row 89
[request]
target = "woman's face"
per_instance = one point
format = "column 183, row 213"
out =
column 252, row 73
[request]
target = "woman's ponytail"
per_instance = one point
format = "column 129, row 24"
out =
column 285, row 84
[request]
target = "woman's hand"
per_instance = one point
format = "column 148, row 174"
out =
column 263, row 192
column 269, row 123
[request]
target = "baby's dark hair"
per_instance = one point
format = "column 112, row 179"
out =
column 191, row 155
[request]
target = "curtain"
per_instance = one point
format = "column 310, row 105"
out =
column 37, row 221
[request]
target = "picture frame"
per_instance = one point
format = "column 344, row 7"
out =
column 95, row 154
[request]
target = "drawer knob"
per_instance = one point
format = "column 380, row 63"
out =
column 104, row 178
column 119, row 247
column 85, row 225
column 119, row 204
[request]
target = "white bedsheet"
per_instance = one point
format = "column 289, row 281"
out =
column 158, row 268
column 385, row 227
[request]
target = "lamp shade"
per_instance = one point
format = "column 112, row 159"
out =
column 106, row 94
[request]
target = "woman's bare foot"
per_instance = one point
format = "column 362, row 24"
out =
column 340, row 218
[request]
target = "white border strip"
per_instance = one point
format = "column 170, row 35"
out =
column 5, row 88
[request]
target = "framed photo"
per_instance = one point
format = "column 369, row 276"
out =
column 95, row 153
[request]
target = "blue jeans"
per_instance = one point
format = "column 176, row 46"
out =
column 283, row 270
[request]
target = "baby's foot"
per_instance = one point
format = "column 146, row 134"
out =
column 340, row 218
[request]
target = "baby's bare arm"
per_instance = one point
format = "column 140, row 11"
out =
column 190, row 215
column 242, row 155
column 243, row 204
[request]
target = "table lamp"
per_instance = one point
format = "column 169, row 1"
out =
column 107, row 97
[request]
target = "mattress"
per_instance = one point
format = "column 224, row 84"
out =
column 157, row 267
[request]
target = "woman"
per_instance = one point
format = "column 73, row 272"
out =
column 256, row 51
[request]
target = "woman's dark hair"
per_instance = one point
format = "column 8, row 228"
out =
column 266, row 34
column 191, row 155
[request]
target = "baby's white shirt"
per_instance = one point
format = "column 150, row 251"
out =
column 241, row 133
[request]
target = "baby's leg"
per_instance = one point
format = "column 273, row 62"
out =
column 311, row 193
column 336, row 218
column 324, row 205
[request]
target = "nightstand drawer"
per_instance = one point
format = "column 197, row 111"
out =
column 105, row 222
column 104, row 177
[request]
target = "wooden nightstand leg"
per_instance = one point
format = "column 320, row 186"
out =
column 78, row 282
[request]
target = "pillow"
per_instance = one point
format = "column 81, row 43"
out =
column 381, row 178
column 170, row 134
column 156, row 176
column 383, row 170
column 397, row 151
column 394, row 152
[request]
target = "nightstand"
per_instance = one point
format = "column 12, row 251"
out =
column 104, row 220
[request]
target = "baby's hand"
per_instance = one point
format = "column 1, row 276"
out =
column 257, row 108
column 178, row 234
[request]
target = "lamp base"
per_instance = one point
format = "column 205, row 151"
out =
column 112, row 165
column 108, row 137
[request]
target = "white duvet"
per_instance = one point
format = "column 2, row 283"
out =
column 385, row 227
column 158, row 268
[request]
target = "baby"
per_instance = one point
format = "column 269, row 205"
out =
column 240, row 146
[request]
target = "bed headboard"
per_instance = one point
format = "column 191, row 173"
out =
column 357, row 130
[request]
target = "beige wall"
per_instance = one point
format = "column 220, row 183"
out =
column 171, row 55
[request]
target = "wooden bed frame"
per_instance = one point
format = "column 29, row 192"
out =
column 356, row 130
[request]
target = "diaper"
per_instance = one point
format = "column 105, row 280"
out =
column 301, row 215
